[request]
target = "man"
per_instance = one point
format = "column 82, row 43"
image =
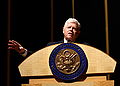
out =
column 71, row 31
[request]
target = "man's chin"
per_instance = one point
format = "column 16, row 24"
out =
column 70, row 38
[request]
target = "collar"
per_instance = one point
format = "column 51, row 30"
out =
column 66, row 41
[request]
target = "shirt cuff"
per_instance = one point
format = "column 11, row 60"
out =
column 25, row 53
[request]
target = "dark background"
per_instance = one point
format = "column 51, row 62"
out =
column 31, row 21
column 30, row 25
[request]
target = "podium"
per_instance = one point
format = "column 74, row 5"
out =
column 100, row 65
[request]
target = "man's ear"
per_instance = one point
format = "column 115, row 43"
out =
column 78, row 33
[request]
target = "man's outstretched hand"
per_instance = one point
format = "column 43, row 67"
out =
column 14, row 45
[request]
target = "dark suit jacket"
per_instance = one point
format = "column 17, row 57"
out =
column 52, row 43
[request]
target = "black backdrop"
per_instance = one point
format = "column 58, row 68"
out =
column 30, row 25
column 31, row 21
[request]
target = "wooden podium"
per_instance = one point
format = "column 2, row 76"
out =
column 100, row 65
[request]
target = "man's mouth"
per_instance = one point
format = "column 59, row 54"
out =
column 70, row 33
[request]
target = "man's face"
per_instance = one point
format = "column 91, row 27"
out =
column 71, row 31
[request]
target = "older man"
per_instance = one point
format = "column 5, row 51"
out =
column 71, row 31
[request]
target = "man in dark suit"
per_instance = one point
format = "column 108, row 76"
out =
column 71, row 31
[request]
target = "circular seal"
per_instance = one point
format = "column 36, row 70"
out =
column 67, row 61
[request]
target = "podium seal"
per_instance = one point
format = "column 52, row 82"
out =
column 67, row 61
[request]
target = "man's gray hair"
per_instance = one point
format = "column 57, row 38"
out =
column 72, row 20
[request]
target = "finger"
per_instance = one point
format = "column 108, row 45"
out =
column 15, row 42
column 10, row 44
column 10, row 41
column 11, row 48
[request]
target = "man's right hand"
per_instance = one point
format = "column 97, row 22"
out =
column 14, row 45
